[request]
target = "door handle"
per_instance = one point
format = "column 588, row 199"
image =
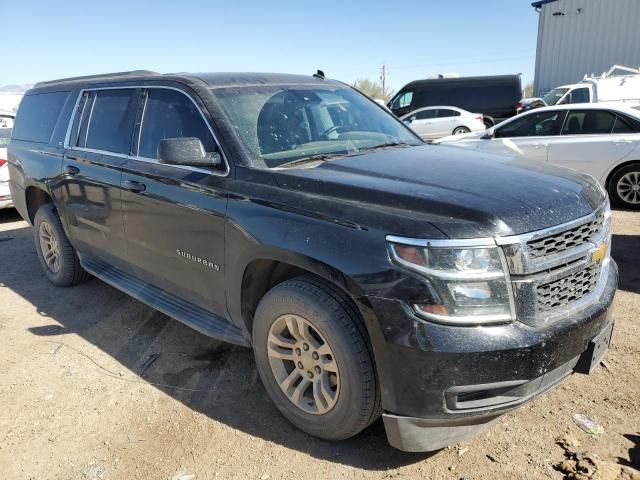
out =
column 134, row 186
column 540, row 145
column 71, row 170
column 622, row 141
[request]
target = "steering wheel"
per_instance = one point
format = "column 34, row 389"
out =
column 328, row 131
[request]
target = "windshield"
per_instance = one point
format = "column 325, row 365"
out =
column 554, row 96
column 5, row 135
column 283, row 123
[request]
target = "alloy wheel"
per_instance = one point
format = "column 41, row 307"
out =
column 303, row 364
column 629, row 188
column 50, row 247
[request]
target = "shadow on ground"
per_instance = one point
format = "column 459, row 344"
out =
column 217, row 379
column 625, row 250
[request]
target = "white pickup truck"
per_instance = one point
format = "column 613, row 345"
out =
column 609, row 87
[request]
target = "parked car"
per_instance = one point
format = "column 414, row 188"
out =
column 602, row 140
column 609, row 87
column 495, row 97
column 293, row 215
column 436, row 122
column 6, row 122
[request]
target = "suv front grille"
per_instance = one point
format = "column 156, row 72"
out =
column 560, row 242
column 566, row 290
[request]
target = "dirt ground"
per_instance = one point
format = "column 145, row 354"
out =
column 78, row 399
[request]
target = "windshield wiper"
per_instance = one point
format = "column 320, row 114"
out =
column 384, row 145
column 323, row 157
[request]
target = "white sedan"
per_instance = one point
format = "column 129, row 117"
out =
column 6, row 124
column 436, row 122
column 602, row 140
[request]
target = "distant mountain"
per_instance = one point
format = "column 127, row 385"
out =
column 16, row 88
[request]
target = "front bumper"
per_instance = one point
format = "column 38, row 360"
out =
column 442, row 384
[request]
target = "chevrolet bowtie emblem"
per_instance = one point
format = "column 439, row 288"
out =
column 600, row 254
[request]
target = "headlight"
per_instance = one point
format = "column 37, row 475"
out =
column 471, row 282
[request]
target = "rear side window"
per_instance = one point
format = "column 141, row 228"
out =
column 444, row 113
column 588, row 122
column 107, row 120
column 37, row 116
column 171, row 114
column 623, row 126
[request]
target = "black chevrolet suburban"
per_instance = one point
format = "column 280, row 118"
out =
column 371, row 274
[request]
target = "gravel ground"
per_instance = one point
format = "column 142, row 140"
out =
column 78, row 398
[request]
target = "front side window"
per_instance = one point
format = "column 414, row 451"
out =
column 106, row 120
column 403, row 100
column 588, row 122
column 171, row 114
column 554, row 96
column 281, row 123
column 580, row 95
column 537, row 124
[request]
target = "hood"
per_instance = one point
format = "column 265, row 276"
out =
column 462, row 193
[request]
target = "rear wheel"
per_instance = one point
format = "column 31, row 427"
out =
column 57, row 257
column 624, row 187
column 461, row 130
column 314, row 360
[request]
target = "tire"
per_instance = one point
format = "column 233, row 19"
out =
column 624, row 187
column 65, row 270
column 333, row 322
column 461, row 130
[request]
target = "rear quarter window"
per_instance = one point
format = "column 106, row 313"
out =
column 37, row 116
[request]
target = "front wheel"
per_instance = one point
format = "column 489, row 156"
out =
column 313, row 359
column 624, row 187
column 461, row 130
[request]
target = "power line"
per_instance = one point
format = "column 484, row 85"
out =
column 466, row 62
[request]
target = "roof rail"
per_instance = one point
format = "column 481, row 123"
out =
column 131, row 73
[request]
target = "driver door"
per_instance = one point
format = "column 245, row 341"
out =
column 528, row 136
column 174, row 215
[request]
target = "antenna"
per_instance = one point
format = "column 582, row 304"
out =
column 319, row 74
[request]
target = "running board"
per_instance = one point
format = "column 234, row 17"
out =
column 191, row 315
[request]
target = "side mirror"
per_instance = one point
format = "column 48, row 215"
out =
column 568, row 98
column 187, row 151
column 491, row 133
column 410, row 119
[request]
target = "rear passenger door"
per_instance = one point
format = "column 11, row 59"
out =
column 446, row 121
column 98, row 144
column 592, row 141
column 174, row 216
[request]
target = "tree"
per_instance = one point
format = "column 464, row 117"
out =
column 372, row 89
column 528, row 90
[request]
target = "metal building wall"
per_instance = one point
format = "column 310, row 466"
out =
column 578, row 37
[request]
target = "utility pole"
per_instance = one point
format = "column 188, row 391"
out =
column 384, row 71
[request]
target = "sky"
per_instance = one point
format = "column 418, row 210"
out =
column 347, row 39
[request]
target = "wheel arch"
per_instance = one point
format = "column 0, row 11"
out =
column 35, row 197
column 264, row 271
column 617, row 167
